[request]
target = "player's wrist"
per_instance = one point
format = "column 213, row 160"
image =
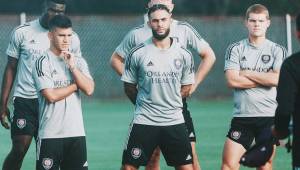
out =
column 72, row 68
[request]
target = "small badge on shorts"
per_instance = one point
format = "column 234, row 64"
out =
column 136, row 153
column 178, row 63
column 21, row 123
column 47, row 163
column 236, row 135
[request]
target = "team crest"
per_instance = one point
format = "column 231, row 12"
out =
column 178, row 63
column 265, row 58
column 136, row 153
column 47, row 163
column 235, row 135
column 21, row 123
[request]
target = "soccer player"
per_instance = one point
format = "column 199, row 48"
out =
column 188, row 37
column 288, row 99
column 158, row 73
column 59, row 77
column 252, row 69
column 27, row 42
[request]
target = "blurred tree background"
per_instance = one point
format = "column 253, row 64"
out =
column 199, row 7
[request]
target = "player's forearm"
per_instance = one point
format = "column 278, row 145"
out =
column 7, row 81
column 131, row 92
column 117, row 63
column 234, row 80
column 57, row 94
column 208, row 60
column 269, row 79
column 85, row 84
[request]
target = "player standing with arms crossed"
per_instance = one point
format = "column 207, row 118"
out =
column 252, row 69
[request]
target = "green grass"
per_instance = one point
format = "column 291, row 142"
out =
column 106, row 125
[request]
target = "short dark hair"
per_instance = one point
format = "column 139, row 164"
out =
column 60, row 21
column 156, row 7
column 298, row 22
column 57, row 1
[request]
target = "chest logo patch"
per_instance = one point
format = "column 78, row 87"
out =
column 265, row 58
column 178, row 63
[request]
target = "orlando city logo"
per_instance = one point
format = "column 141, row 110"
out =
column 178, row 63
column 47, row 163
column 21, row 123
column 136, row 153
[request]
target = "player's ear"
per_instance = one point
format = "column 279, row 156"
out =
column 298, row 34
column 148, row 22
column 50, row 35
column 268, row 22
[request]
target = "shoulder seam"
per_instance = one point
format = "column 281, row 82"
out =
column 132, row 51
column 230, row 48
column 191, row 27
column 39, row 66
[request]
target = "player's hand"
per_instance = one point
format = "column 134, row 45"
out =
column 4, row 117
column 193, row 89
column 69, row 58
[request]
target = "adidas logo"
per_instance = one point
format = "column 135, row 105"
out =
column 189, row 157
column 244, row 58
column 192, row 135
column 32, row 41
column 85, row 164
column 150, row 64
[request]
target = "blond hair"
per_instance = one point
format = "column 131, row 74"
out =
column 257, row 9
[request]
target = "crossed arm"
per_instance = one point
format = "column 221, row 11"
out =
column 250, row 79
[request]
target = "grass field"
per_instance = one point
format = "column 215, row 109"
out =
column 107, row 123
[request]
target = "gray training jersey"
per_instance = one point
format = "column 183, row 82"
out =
column 259, row 101
column 182, row 32
column 62, row 118
column 159, row 75
column 27, row 43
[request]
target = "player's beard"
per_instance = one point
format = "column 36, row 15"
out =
column 160, row 36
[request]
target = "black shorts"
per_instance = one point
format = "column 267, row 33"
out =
column 62, row 153
column 188, row 121
column 25, row 117
column 246, row 130
column 172, row 140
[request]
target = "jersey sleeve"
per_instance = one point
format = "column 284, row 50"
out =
column 83, row 67
column 188, row 72
column 15, row 42
column 75, row 47
column 126, row 45
column 131, row 68
column 280, row 54
column 194, row 40
column 232, row 61
column 42, row 74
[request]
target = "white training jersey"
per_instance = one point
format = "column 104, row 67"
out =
column 159, row 75
column 259, row 101
column 62, row 118
column 28, row 42
column 183, row 32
